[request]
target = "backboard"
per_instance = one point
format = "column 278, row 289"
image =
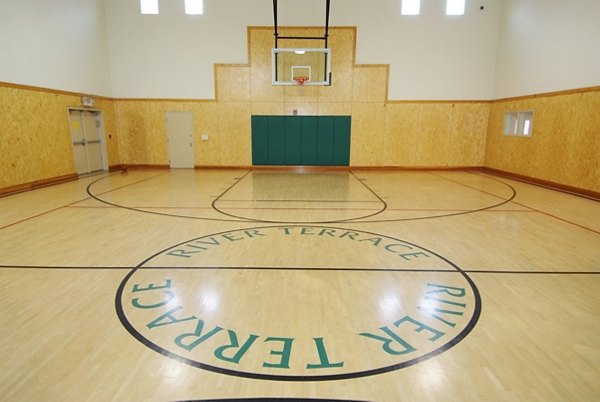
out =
column 291, row 63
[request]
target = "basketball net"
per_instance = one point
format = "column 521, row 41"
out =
column 300, row 83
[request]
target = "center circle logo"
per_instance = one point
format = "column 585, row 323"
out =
column 298, row 303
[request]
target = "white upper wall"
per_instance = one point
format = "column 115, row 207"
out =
column 431, row 56
column 106, row 47
column 171, row 55
column 58, row 44
column 547, row 45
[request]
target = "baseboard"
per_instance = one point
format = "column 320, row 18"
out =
column 37, row 184
column 141, row 166
column 116, row 168
column 581, row 192
column 415, row 168
column 279, row 168
column 318, row 168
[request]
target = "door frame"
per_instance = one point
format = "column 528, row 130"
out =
column 101, row 134
column 192, row 139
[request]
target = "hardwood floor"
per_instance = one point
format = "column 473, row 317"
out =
column 160, row 285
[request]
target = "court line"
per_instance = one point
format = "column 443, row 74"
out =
column 42, row 213
column 547, row 213
column 297, row 209
column 295, row 200
column 558, row 218
column 318, row 269
column 137, row 207
column 141, row 208
column 219, row 199
column 271, row 399
column 334, row 221
column 471, row 187
column 385, row 205
column 521, row 204
column 298, row 378
column 355, row 209
column 505, row 201
column 246, row 220
column 126, row 185
column 72, row 204
column 89, row 191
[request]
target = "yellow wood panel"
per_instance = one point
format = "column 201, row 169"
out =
column 368, row 126
column 234, row 134
column 299, row 32
column 370, row 84
column 504, row 152
column 144, row 132
column 564, row 144
column 340, row 89
column 261, row 42
column 342, row 43
column 494, row 136
column 584, row 142
column 335, row 109
column 36, row 138
column 126, row 117
column 434, row 133
column 111, row 132
column 553, row 122
column 268, row 108
column 302, row 108
column 233, row 83
column 38, row 127
column 304, row 94
column 143, row 128
column 155, row 137
column 206, row 122
column 469, row 130
column 401, row 134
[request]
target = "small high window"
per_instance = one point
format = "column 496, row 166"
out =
column 149, row 6
column 194, row 7
column 455, row 7
column 411, row 7
column 518, row 123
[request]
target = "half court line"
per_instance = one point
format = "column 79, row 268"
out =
column 322, row 269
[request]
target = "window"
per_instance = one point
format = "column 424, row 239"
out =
column 455, row 7
column 518, row 123
column 411, row 7
column 193, row 7
column 149, row 6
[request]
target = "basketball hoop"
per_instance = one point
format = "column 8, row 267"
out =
column 300, row 80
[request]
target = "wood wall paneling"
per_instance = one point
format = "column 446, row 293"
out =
column 565, row 141
column 35, row 140
column 564, row 147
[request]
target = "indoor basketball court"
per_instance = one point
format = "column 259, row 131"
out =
column 311, row 231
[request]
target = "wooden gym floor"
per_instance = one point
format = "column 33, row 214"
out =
column 157, row 285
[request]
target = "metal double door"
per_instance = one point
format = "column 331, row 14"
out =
column 86, row 135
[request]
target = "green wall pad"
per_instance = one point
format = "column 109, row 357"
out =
column 301, row 140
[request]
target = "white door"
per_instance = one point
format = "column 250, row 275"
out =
column 91, row 129
column 180, row 136
column 86, row 136
column 78, row 139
